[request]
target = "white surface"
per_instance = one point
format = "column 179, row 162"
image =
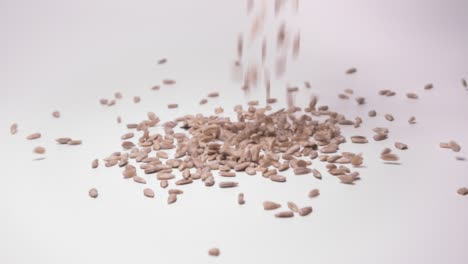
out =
column 66, row 55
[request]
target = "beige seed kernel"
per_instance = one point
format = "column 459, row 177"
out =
column 412, row 96
column 214, row 252
column 172, row 198
column 56, row 114
column 314, row 193
column 139, row 179
column 63, row 140
column 93, row 193
column 412, row 120
column 95, row 163
column 462, row 191
column 213, row 94
column 372, row 113
column 172, row 106
column 228, row 184
column 305, row 211
column 428, row 86
column 136, row 99
column 33, row 136
column 240, row 198
column 74, row 142
column 293, row 207
column 39, row 150
column 148, row 193
column 13, row 128
column 351, row 70
column 169, row 81
column 162, row 61
column 268, row 205
column 389, row 117
column 284, row 214
column 401, row 146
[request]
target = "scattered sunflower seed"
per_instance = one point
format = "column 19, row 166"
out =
column 148, row 193
column 314, row 193
column 428, row 86
column 268, row 205
column 305, row 211
column 13, row 128
column 240, row 198
column 39, row 150
column 34, row 136
column 400, row 145
column 389, row 117
column 56, row 114
column 214, row 252
column 462, row 191
column 284, row 214
column 95, row 163
column 93, row 193
column 351, row 70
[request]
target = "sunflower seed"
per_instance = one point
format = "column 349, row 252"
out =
column 172, row 106
column 136, row 99
column 148, row 193
column 357, row 160
column 293, row 207
column 464, row 83
column 278, row 178
column 74, row 142
column 360, row 100
column 412, row 96
column 169, row 81
column 162, row 61
column 93, row 193
column 127, row 136
column 155, row 87
column 56, row 114
column 301, row 171
column 240, row 198
column 351, row 70
column 389, row 117
column 268, row 205
column 39, row 150
column 343, row 96
column 307, row 84
column 139, row 179
column 183, row 181
column 379, row 137
column 13, row 128
column 129, row 171
column 305, row 211
column 228, row 184
column 172, row 198
column 428, row 86
column 454, row 146
column 164, row 183
column 385, row 151
column 412, row 120
column 34, row 136
column 389, row 157
column 462, row 191
column 314, row 193
column 95, row 163
column 227, row 174
column 103, row 101
column 64, row 140
column 119, row 119
column 213, row 94
column 118, row 95
column 213, row 252
column 316, row 174
column 359, row 139
column 372, row 113
column 203, row 101
column 284, row 214
column 349, row 91
column 348, row 178
column 400, row 145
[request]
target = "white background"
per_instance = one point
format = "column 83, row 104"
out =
column 66, row 55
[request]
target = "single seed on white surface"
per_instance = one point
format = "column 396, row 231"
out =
column 214, row 252
column 93, row 193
